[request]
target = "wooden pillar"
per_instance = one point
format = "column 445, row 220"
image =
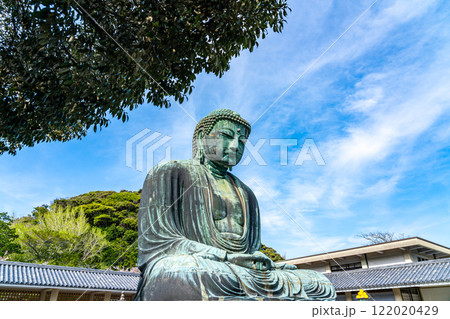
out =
column 43, row 294
column 407, row 256
column 54, row 294
column 348, row 296
column 91, row 296
column 364, row 262
column 397, row 294
column 327, row 268
column 107, row 296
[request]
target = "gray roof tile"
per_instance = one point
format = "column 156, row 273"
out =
column 424, row 273
column 15, row 273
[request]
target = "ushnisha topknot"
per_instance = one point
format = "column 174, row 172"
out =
column 207, row 123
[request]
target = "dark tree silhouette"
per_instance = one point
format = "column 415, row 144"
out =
column 67, row 66
column 378, row 237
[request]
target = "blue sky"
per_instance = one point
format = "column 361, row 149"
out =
column 376, row 104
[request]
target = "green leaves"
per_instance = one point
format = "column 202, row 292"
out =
column 62, row 74
column 271, row 253
column 116, row 215
column 60, row 237
column 7, row 237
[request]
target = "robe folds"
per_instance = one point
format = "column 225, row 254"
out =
column 183, row 256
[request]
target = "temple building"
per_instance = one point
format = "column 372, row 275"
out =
column 410, row 269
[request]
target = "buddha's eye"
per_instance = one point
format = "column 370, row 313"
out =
column 227, row 135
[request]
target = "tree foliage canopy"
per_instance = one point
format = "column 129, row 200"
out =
column 271, row 253
column 66, row 66
column 7, row 236
column 61, row 237
column 113, row 213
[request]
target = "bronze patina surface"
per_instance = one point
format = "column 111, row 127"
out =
column 199, row 228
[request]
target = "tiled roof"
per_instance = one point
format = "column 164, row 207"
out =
column 15, row 273
column 426, row 273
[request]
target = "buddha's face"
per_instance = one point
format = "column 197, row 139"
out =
column 225, row 144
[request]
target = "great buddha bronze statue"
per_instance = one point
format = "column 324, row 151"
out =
column 199, row 228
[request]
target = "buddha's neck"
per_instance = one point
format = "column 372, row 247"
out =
column 216, row 169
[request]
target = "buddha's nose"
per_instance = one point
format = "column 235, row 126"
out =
column 234, row 145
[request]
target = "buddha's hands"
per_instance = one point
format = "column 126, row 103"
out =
column 256, row 261
column 286, row 266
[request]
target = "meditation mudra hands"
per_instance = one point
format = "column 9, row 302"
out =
column 256, row 261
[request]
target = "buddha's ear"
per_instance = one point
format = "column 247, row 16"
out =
column 200, row 136
column 199, row 141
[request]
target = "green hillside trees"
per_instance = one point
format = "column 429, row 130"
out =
column 60, row 237
column 7, row 236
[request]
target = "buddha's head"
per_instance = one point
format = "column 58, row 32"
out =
column 220, row 138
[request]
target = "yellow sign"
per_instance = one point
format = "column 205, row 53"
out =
column 362, row 295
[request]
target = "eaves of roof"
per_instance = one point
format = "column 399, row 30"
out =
column 401, row 244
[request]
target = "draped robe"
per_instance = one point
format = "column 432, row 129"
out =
column 182, row 255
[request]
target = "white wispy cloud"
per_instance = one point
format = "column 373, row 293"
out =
column 390, row 127
column 374, row 27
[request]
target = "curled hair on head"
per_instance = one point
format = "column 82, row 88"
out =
column 207, row 123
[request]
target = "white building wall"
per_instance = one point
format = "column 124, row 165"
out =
column 385, row 260
column 314, row 267
column 319, row 268
column 435, row 294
